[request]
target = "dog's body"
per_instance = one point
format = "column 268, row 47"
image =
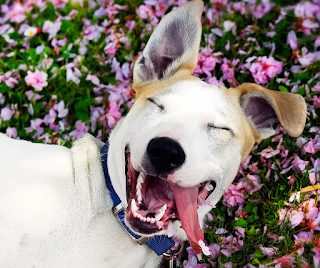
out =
column 180, row 134
column 56, row 212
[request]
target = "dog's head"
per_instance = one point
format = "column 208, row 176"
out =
column 183, row 139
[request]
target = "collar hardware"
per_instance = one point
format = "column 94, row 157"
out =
column 140, row 240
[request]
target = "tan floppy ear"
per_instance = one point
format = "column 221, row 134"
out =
column 173, row 45
column 267, row 110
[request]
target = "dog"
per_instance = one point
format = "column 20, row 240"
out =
column 183, row 140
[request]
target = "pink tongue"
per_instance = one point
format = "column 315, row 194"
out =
column 186, row 202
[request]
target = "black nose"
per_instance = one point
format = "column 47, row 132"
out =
column 165, row 154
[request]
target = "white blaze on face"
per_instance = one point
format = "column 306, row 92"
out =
column 197, row 115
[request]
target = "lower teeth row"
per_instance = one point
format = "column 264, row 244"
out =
column 134, row 209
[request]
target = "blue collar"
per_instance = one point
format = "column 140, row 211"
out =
column 159, row 243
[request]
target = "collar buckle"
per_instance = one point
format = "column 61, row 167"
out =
column 141, row 240
column 118, row 208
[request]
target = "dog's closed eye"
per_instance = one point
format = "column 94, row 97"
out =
column 154, row 102
column 212, row 126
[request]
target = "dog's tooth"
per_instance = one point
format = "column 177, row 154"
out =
column 152, row 220
column 134, row 206
column 138, row 192
column 148, row 219
column 139, row 186
column 140, row 178
column 159, row 215
column 135, row 214
column 164, row 207
column 139, row 199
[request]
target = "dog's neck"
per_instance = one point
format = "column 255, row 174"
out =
column 159, row 243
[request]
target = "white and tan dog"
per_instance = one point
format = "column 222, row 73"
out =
column 181, row 133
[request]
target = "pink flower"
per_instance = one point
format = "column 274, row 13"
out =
column 6, row 113
column 204, row 248
column 315, row 224
column 286, row 260
column 206, row 63
column 73, row 73
column 265, row 68
column 170, row 229
column 8, row 79
column 316, row 101
column 214, row 81
column 35, row 125
column 234, row 195
column 295, row 217
column 51, row 28
column 11, row 132
column 93, row 32
column 292, row 40
column 31, row 96
column 317, row 42
column 95, row 80
column 38, row 79
column 113, row 115
column 263, row 8
column 217, row 31
column 269, row 152
column 309, row 148
column 316, row 88
column 80, row 130
column 228, row 70
column 230, row 25
column 309, row 25
column 62, row 112
column 192, row 259
column 221, row 231
column 299, row 164
column 294, row 197
column 215, row 249
column 269, row 252
column 16, row 13
column 306, row 58
column 312, row 178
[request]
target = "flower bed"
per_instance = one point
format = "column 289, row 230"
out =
column 65, row 70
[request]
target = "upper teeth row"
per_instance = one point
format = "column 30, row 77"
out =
column 134, row 209
column 140, row 180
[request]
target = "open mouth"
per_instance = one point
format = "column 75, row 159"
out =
column 153, row 203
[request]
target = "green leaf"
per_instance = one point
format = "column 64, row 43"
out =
column 82, row 110
column 255, row 261
column 47, row 50
column 65, row 25
column 4, row 88
column 300, row 76
column 248, row 207
column 33, row 54
column 255, row 210
column 251, row 219
column 241, row 223
column 269, row 219
column 266, row 261
column 258, row 253
column 283, row 89
column 301, row 91
column 252, row 231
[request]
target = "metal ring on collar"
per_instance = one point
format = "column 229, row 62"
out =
column 173, row 252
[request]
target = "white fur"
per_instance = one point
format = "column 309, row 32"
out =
column 55, row 209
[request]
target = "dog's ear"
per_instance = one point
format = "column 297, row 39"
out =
column 267, row 110
column 173, row 46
